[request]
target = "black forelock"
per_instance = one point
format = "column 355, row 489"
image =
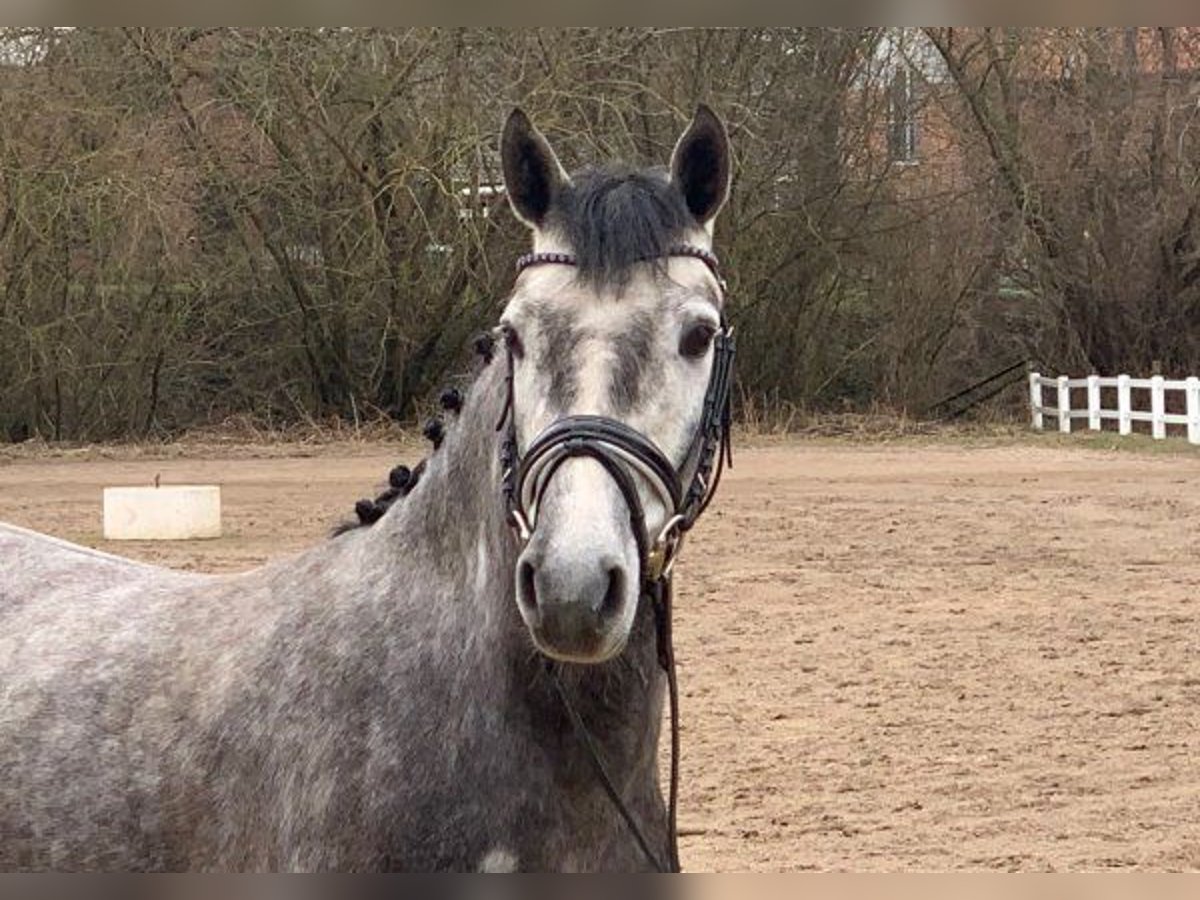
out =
column 615, row 216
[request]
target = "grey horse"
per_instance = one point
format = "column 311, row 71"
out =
column 382, row 700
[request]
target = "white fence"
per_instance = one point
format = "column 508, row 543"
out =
column 1125, row 414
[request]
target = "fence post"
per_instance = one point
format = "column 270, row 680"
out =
column 1064, row 405
column 1035, row 399
column 1093, row 388
column 1158, row 407
column 1124, row 407
column 1193, row 409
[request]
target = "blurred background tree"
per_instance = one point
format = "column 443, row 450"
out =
column 294, row 225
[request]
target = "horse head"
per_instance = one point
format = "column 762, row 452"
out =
column 618, row 357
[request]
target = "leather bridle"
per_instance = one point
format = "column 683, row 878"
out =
column 627, row 455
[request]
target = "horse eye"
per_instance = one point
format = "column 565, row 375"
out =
column 696, row 339
column 513, row 340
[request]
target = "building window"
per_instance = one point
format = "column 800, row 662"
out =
column 902, row 123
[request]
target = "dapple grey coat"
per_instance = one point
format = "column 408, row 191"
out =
column 374, row 703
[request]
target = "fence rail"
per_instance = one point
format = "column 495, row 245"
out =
column 1124, row 414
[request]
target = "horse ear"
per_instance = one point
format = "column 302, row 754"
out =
column 532, row 173
column 701, row 166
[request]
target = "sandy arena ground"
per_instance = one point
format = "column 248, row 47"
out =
column 918, row 655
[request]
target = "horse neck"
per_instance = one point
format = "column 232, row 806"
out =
column 454, row 519
column 451, row 540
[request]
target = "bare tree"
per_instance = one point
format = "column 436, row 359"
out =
column 297, row 224
column 1090, row 135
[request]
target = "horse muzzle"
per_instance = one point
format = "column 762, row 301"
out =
column 578, row 575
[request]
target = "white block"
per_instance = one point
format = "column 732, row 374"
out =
column 172, row 512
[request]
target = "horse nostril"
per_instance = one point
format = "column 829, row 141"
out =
column 614, row 596
column 527, row 592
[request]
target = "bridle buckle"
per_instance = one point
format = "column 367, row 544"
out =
column 660, row 559
column 520, row 524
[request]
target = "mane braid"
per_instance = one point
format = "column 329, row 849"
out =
column 402, row 479
column 617, row 216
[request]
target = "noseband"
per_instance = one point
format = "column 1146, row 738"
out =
column 626, row 455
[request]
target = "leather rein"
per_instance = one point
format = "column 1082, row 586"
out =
column 626, row 454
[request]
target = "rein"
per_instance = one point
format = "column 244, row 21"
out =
column 626, row 454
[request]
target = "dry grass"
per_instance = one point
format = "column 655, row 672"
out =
column 245, row 438
column 758, row 421
column 238, row 437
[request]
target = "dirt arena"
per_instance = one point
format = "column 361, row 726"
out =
column 918, row 655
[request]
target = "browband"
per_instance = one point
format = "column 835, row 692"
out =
column 568, row 259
